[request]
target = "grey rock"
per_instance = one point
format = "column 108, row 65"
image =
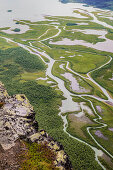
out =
column 17, row 121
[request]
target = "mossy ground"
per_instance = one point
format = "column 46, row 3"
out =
column 37, row 156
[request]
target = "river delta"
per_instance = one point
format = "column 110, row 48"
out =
column 61, row 59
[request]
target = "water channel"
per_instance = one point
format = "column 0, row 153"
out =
column 68, row 105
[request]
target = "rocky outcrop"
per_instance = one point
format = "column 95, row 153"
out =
column 17, row 121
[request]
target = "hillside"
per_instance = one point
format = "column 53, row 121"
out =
column 22, row 146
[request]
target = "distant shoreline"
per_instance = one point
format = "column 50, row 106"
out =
column 96, row 3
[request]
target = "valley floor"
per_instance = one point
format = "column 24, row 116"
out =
column 64, row 66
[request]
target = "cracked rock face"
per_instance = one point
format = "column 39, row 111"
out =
column 3, row 93
column 17, row 121
column 16, row 113
column 14, row 121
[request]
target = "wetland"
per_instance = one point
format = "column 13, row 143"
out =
column 61, row 59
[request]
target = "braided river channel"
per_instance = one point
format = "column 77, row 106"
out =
column 21, row 11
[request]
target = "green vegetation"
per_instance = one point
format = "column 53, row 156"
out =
column 19, row 70
column 107, row 136
column 9, row 10
column 83, row 14
column 16, row 30
column 4, row 45
column 32, row 76
column 104, row 77
column 35, row 32
column 107, row 20
column 17, row 22
column 27, row 59
column 50, row 33
column 37, row 156
column 90, row 25
column 46, row 102
column 110, row 34
column 78, row 48
column 106, row 112
column 87, row 62
column 103, row 161
column 71, row 24
column 57, row 71
column 79, row 36
column 24, row 59
column 81, row 61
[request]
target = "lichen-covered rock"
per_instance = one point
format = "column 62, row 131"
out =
column 17, row 121
column 3, row 93
column 61, row 156
column 14, row 118
column 54, row 145
column 35, row 137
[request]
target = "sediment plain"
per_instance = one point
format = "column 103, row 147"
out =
column 64, row 66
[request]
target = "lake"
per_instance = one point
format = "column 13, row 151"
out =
column 34, row 10
column 103, row 4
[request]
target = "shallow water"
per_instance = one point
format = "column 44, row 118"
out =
column 74, row 83
column 100, row 135
column 62, row 66
column 82, row 23
column 84, row 109
column 103, row 46
column 102, row 33
column 23, row 29
column 111, row 129
column 33, row 10
column 68, row 104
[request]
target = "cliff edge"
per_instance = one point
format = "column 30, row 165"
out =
column 18, row 125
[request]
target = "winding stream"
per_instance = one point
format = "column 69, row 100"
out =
column 68, row 105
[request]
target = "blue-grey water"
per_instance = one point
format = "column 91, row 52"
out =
column 33, row 10
column 103, row 4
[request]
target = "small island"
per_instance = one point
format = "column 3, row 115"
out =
column 71, row 24
column 16, row 30
column 17, row 22
column 9, row 10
